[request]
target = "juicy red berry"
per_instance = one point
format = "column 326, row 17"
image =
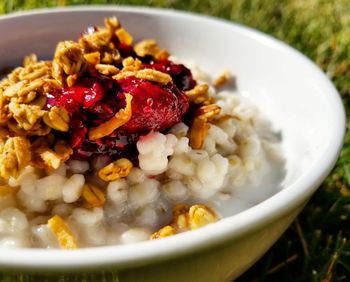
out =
column 85, row 94
column 153, row 107
column 181, row 75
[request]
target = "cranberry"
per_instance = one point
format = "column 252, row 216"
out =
column 85, row 94
column 153, row 107
column 181, row 75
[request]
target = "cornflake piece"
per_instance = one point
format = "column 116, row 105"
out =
column 64, row 235
column 57, row 118
column 124, row 36
column 93, row 196
column 120, row 118
column 154, row 75
column 115, row 170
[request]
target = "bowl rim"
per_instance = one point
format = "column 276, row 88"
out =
column 226, row 229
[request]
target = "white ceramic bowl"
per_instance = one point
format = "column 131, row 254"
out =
column 289, row 89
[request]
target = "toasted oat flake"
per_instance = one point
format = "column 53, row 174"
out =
column 15, row 155
column 116, row 170
column 186, row 218
column 163, row 232
column 154, row 75
column 124, row 36
column 199, row 94
column 57, row 118
column 64, row 235
column 197, row 133
column 107, row 69
column 223, row 78
column 93, row 196
column 93, row 58
column 201, row 215
column 208, row 112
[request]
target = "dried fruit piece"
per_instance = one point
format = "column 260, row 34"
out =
column 197, row 133
column 154, row 107
column 115, row 170
column 120, row 118
column 64, row 235
column 57, row 118
column 93, row 196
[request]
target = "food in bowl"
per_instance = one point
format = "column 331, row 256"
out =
column 113, row 143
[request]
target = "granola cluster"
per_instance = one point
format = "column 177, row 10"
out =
column 24, row 119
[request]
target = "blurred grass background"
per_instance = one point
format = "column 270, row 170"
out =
column 316, row 247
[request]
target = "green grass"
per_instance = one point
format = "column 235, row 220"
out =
column 316, row 247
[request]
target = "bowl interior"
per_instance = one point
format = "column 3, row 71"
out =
column 288, row 89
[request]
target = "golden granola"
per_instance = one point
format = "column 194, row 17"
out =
column 93, row 196
column 223, row 79
column 186, row 218
column 15, row 155
column 57, row 118
column 68, row 63
column 64, row 235
column 198, row 132
column 154, row 75
column 115, row 170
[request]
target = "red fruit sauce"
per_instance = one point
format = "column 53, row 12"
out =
column 93, row 101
